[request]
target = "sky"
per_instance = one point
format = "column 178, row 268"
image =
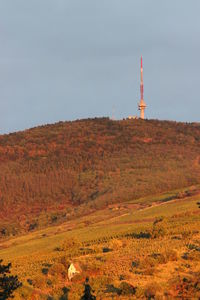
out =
column 74, row 59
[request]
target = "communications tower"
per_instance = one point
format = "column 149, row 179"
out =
column 142, row 104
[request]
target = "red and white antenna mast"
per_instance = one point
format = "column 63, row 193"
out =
column 142, row 104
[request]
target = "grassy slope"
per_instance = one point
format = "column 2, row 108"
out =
column 29, row 253
column 107, row 222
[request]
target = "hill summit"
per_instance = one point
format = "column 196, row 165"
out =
column 67, row 168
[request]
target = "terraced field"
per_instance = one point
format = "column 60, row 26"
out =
column 148, row 247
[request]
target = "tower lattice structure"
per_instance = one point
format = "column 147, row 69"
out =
column 142, row 104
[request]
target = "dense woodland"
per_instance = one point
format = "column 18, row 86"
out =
column 50, row 173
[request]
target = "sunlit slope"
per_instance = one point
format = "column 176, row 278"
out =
column 52, row 173
column 106, row 224
column 150, row 241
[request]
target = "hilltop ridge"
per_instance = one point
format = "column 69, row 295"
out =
column 52, row 172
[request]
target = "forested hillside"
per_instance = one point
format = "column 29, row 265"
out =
column 53, row 172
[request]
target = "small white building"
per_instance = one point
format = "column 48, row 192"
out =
column 73, row 270
column 132, row 117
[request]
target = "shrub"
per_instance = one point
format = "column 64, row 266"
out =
column 45, row 271
column 58, row 269
column 163, row 258
column 193, row 255
column 30, row 281
column 193, row 247
column 141, row 235
column 106, row 249
column 110, row 288
column 121, row 277
column 135, row 264
column 58, row 249
column 49, row 282
column 85, row 251
column 126, row 288
column 8, row 283
column 32, row 226
column 186, row 287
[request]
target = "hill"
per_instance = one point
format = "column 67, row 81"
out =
column 53, row 173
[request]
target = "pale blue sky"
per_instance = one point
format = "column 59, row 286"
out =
column 70, row 59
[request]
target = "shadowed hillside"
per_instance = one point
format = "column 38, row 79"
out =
column 50, row 173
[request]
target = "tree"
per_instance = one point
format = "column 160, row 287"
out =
column 8, row 283
column 87, row 292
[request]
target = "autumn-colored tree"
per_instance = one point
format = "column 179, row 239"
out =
column 88, row 164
